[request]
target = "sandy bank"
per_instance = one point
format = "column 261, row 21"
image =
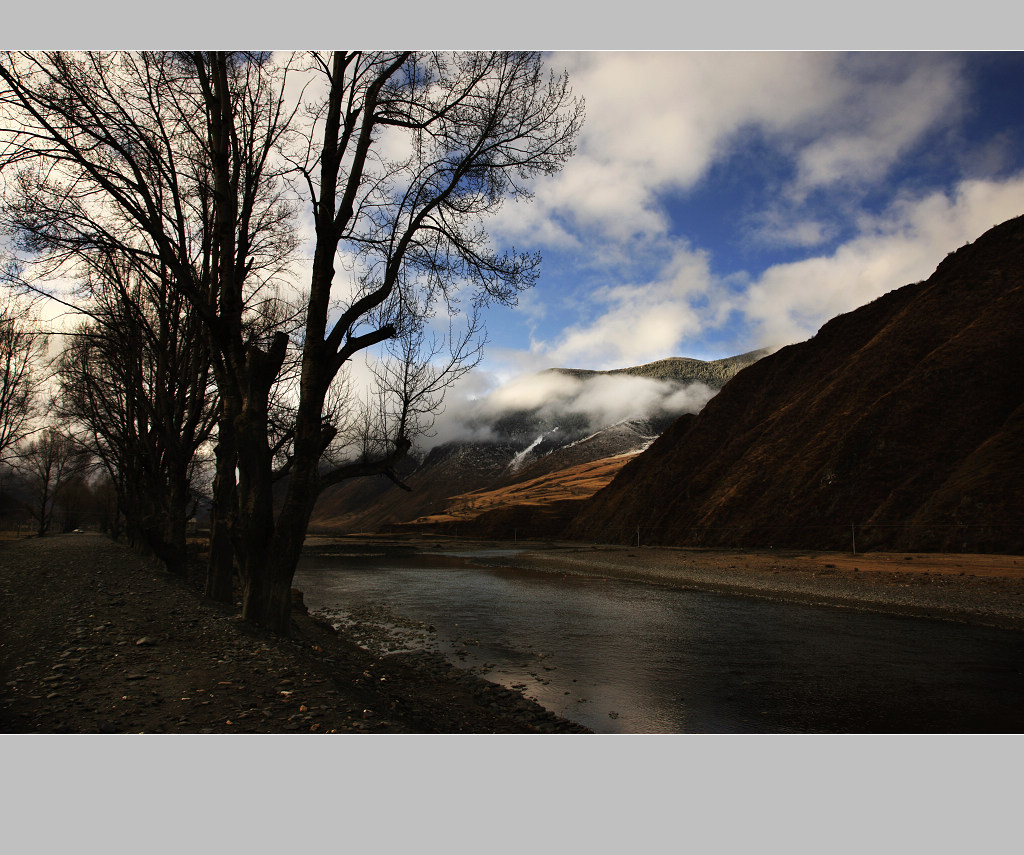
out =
column 979, row 589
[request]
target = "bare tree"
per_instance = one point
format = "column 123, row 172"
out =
column 49, row 463
column 21, row 351
column 411, row 377
column 400, row 161
column 110, row 156
column 137, row 381
column 475, row 127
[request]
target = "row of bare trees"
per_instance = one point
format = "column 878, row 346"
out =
column 40, row 459
column 21, row 352
column 136, row 380
column 240, row 228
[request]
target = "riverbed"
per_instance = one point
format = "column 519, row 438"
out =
column 622, row 656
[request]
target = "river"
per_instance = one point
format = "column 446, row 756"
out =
column 628, row 657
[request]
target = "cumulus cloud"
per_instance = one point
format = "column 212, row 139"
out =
column 658, row 122
column 790, row 302
column 636, row 321
column 881, row 106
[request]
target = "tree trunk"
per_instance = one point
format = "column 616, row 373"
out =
column 271, row 561
column 263, row 603
column 266, row 589
column 44, row 511
column 267, row 598
column 292, row 524
column 220, row 568
column 174, row 541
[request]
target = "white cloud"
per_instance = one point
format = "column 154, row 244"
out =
column 773, row 228
column 473, row 407
column 657, row 122
column 529, row 392
column 882, row 106
column 637, row 322
column 790, row 302
column 608, row 399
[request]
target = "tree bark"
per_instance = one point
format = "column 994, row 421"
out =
column 220, row 568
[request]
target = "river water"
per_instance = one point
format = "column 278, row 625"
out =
column 628, row 657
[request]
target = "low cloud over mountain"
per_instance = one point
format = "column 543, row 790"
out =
column 579, row 401
column 557, row 400
column 533, row 426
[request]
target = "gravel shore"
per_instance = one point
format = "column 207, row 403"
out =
column 97, row 640
column 979, row 589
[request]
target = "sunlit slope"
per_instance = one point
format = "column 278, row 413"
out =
column 573, row 483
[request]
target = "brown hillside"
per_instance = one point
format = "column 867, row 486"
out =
column 904, row 417
column 519, row 445
column 573, row 483
column 370, row 504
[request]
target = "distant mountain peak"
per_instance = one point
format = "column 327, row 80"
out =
column 682, row 369
column 515, row 445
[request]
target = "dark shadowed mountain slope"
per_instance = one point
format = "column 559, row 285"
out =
column 904, row 418
column 370, row 504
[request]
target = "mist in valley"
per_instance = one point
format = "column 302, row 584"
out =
column 528, row 407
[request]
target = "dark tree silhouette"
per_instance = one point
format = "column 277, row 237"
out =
column 400, row 159
column 21, row 352
column 108, row 157
column 49, row 464
column 137, row 381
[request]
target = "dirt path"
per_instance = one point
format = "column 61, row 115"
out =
column 96, row 640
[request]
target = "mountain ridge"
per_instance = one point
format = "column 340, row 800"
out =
column 522, row 444
column 898, row 424
column 714, row 372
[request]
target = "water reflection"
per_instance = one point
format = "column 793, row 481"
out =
column 622, row 656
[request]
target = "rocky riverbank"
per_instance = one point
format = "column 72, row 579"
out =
column 98, row 640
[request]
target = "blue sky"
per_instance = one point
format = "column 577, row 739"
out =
column 721, row 202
